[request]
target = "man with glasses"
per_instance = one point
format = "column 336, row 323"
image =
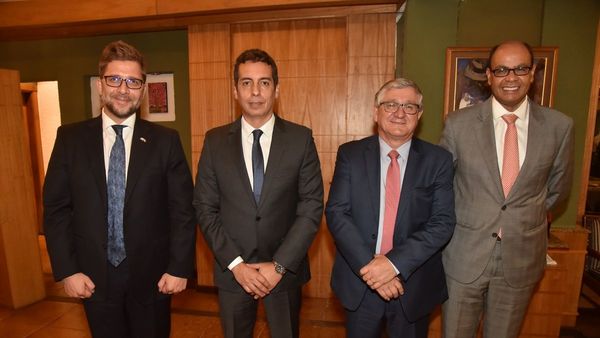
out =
column 513, row 161
column 390, row 211
column 118, row 213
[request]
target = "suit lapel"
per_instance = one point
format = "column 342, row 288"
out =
column 535, row 137
column 485, row 135
column 95, row 145
column 373, row 169
column 408, row 183
column 278, row 145
column 141, row 146
column 234, row 141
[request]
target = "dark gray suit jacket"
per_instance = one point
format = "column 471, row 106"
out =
column 283, row 225
column 544, row 181
column 159, row 225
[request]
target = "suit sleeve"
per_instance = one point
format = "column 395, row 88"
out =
column 183, row 224
column 309, row 210
column 58, row 208
column 432, row 236
column 561, row 175
column 208, row 210
column 348, row 240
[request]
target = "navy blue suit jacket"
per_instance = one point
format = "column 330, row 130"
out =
column 424, row 223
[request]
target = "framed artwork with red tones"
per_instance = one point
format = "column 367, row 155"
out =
column 466, row 81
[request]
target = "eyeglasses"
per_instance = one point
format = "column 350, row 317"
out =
column 130, row 82
column 391, row 107
column 504, row 71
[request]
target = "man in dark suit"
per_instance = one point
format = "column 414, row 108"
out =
column 118, row 213
column 259, row 202
column 514, row 162
column 390, row 211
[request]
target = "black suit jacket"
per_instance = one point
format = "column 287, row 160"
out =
column 159, row 225
column 284, row 223
column 424, row 222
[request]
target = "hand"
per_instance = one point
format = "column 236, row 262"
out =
column 267, row 269
column 391, row 290
column 378, row 272
column 169, row 284
column 252, row 281
column 79, row 286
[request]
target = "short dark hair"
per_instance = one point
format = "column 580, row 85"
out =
column 255, row 55
column 120, row 51
column 522, row 43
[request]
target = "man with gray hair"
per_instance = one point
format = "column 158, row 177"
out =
column 390, row 211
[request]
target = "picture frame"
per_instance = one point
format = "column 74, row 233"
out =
column 158, row 104
column 466, row 82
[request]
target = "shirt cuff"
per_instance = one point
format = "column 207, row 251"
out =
column 393, row 266
column 237, row 261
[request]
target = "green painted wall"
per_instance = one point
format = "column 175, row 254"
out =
column 431, row 26
column 72, row 61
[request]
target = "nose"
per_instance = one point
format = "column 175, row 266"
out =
column 123, row 87
column 255, row 89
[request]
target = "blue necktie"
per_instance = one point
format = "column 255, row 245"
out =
column 258, row 167
column 116, row 198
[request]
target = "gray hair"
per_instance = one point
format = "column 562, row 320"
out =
column 398, row 83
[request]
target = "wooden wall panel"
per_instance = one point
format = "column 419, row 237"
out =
column 21, row 281
column 210, row 105
column 317, row 89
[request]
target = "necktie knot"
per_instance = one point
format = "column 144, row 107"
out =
column 393, row 155
column 118, row 129
column 257, row 133
column 509, row 118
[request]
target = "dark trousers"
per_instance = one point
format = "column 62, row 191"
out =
column 120, row 315
column 238, row 313
column 374, row 314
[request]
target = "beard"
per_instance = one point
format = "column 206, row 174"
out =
column 122, row 114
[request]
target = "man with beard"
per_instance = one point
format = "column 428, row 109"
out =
column 514, row 162
column 118, row 213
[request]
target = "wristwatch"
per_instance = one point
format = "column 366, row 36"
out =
column 280, row 269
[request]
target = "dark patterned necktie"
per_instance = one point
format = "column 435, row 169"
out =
column 116, row 198
column 258, row 167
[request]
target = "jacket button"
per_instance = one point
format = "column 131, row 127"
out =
column 373, row 236
column 494, row 235
column 257, row 218
column 503, row 207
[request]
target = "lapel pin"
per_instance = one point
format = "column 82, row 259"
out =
column 143, row 139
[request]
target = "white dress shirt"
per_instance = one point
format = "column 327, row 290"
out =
column 109, row 136
column 522, row 124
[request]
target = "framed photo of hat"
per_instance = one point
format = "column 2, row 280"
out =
column 466, row 82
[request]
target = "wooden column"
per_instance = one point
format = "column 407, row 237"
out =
column 21, row 280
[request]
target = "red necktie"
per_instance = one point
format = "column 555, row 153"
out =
column 392, row 199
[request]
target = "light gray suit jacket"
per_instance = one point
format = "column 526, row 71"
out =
column 481, row 208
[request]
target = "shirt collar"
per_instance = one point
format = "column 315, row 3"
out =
column 266, row 128
column 384, row 149
column 498, row 109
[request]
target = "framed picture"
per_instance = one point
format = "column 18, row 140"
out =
column 158, row 104
column 466, row 81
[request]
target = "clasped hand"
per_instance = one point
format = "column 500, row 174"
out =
column 380, row 275
column 257, row 279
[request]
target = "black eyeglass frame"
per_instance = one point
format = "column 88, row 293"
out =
column 130, row 82
column 518, row 71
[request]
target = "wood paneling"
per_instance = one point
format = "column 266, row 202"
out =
column 21, row 280
column 329, row 70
